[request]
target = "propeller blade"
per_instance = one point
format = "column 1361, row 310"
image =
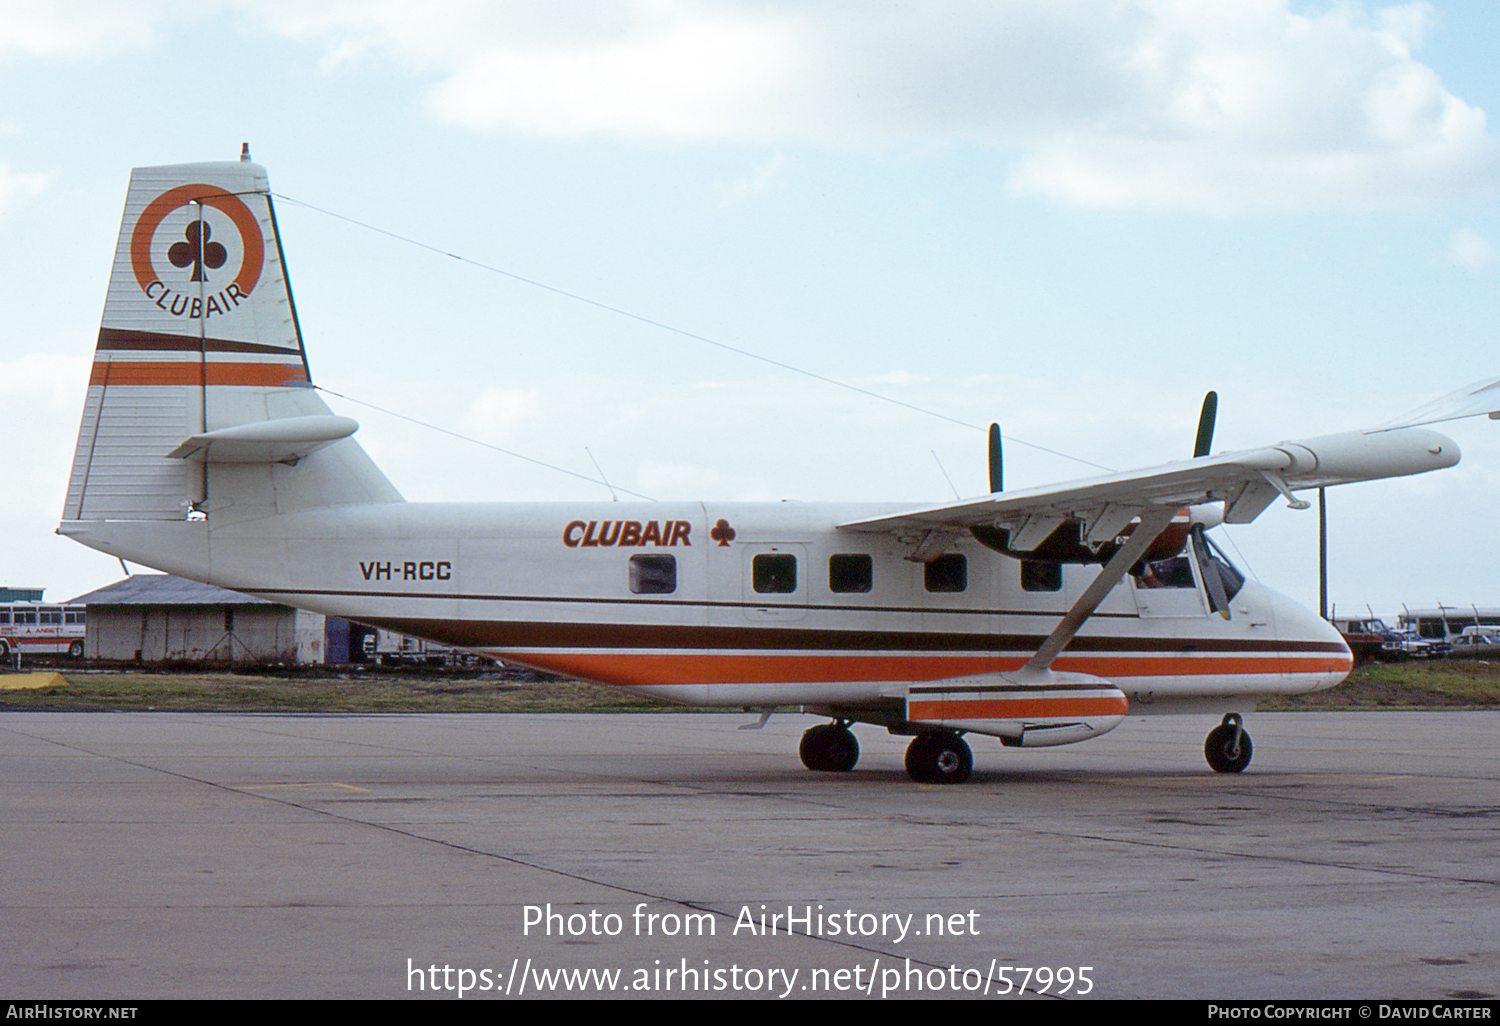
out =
column 1218, row 600
column 997, row 469
column 1205, row 439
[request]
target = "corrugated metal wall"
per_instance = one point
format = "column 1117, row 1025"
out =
column 221, row 634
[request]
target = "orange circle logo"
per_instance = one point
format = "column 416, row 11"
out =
column 197, row 249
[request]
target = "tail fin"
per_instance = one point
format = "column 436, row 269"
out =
column 199, row 343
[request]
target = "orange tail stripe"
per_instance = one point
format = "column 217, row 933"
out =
column 151, row 372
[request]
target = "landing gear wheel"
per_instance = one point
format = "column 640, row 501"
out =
column 829, row 748
column 939, row 757
column 1228, row 747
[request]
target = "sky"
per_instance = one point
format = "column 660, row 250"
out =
column 1072, row 217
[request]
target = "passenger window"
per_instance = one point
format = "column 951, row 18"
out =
column 947, row 573
column 1039, row 576
column 774, row 574
column 653, row 575
column 850, row 573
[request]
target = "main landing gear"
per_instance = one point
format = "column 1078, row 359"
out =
column 1228, row 747
column 933, row 757
column 829, row 748
column 939, row 757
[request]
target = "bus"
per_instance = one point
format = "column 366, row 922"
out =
column 1446, row 623
column 35, row 628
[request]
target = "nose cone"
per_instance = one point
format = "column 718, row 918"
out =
column 1315, row 656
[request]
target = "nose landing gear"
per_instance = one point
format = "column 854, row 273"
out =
column 1228, row 747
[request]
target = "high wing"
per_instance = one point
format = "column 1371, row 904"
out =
column 1246, row 482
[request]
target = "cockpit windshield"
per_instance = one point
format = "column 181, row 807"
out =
column 1218, row 574
column 1213, row 561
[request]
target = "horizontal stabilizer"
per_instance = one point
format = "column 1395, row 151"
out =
column 271, row 441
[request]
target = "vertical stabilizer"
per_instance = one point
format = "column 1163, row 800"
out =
column 199, row 335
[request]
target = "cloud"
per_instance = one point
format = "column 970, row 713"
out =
column 1220, row 107
column 763, row 177
column 1470, row 250
column 1246, row 106
column 499, row 413
column 79, row 28
column 1237, row 105
column 13, row 186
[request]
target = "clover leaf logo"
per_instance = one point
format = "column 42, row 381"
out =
column 198, row 250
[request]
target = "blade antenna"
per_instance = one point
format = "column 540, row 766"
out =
column 945, row 473
column 612, row 496
column 1205, row 440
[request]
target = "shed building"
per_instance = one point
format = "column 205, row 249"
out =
column 160, row 618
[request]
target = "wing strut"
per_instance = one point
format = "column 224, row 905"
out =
column 1154, row 520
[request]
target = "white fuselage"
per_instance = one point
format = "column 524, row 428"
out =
column 553, row 586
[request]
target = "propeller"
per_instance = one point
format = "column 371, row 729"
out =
column 1205, row 440
column 1218, row 599
column 997, row 469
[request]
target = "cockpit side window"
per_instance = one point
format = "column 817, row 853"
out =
column 1172, row 572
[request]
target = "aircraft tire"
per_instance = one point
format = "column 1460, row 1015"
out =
column 829, row 748
column 939, row 757
column 1219, row 749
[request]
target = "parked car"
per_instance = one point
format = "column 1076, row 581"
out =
column 1476, row 643
column 1372, row 641
column 1414, row 646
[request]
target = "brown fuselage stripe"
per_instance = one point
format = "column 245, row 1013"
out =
column 635, row 669
column 535, row 635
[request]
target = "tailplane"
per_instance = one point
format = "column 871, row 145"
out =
column 200, row 401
